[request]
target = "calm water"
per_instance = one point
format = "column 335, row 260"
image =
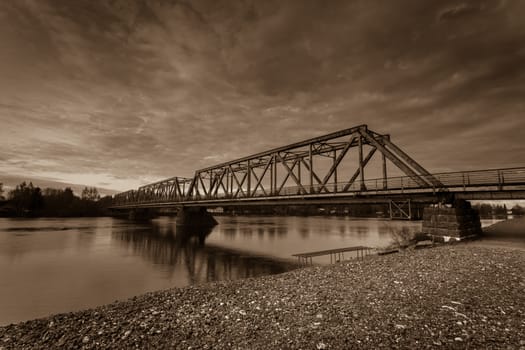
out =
column 57, row 265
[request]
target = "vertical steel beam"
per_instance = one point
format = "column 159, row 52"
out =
column 231, row 182
column 312, row 173
column 394, row 159
column 415, row 165
column 311, row 168
column 335, row 165
column 259, row 180
column 272, row 180
column 227, row 189
column 276, row 192
column 358, row 171
column 249, row 182
column 291, row 173
column 385, row 180
column 210, row 174
column 361, row 165
column 299, row 172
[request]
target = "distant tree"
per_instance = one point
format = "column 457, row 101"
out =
column 26, row 199
column 1, row 191
column 90, row 194
column 69, row 196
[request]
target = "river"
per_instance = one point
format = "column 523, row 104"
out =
column 59, row 265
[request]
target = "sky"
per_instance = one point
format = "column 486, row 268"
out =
column 119, row 93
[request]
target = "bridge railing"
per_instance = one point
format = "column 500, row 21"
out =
column 477, row 178
column 492, row 179
column 497, row 178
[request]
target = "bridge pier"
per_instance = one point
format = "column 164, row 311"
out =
column 195, row 217
column 142, row 214
column 451, row 222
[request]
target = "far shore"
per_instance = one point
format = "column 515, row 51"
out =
column 465, row 295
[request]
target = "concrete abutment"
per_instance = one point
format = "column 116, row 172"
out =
column 453, row 222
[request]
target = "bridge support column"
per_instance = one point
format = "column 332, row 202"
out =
column 142, row 214
column 451, row 222
column 196, row 217
column 134, row 214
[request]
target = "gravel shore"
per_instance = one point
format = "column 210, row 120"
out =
column 449, row 297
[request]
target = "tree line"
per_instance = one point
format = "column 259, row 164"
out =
column 498, row 211
column 26, row 200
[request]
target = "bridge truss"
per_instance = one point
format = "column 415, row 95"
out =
column 293, row 169
column 331, row 164
column 325, row 169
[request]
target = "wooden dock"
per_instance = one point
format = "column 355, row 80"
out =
column 335, row 254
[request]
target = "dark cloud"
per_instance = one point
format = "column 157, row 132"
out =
column 133, row 91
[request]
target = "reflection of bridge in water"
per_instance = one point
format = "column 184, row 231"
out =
column 182, row 246
column 336, row 168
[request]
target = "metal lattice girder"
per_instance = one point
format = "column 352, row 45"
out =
column 321, row 165
column 243, row 181
column 169, row 190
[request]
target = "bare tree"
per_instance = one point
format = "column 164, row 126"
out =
column 90, row 193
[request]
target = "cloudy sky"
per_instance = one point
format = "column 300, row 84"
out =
column 120, row 93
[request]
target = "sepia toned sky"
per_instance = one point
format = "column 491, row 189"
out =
column 118, row 93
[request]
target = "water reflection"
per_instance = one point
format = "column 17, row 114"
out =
column 57, row 265
column 174, row 246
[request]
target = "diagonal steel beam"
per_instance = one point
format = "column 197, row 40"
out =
column 426, row 175
column 337, row 161
column 178, row 189
column 358, row 171
column 408, row 171
column 218, row 182
column 258, row 182
column 327, row 137
column 314, row 175
column 287, row 176
column 239, row 188
column 239, row 184
column 203, row 186
column 225, row 188
column 290, row 172
column 191, row 187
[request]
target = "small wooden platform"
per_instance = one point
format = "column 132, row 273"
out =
column 335, row 254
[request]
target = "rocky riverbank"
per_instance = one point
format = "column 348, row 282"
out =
column 456, row 296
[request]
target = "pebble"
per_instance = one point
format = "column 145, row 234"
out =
column 321, row 346
column 350, row 305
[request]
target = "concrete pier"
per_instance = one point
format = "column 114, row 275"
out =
column 195, row 217
column 142, row 214
column 451, row 222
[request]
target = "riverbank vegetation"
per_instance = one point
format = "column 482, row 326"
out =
column 27, row 200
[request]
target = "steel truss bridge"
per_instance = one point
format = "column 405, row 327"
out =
column 323, row 170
